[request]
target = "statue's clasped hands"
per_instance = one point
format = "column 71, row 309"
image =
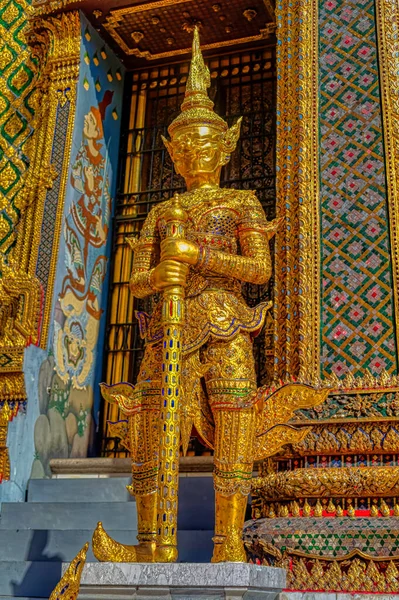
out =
column 181, row 250
column 176, row 256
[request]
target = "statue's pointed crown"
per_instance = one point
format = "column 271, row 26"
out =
column 197, row 107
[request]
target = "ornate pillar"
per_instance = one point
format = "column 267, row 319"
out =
column 40, row 96
column 387, row 21
column 57, row 40
column 297, row 300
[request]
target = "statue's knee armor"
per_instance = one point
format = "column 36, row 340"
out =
column 234, row 413
column 144, row 438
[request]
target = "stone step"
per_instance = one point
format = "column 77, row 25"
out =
column 193, row 491
column 67, row 516
column 196, row 508
column 71, row 467
column 21, row 598
column 29, row 579
column 181, row 581
column 108, row 489
column 62, row 546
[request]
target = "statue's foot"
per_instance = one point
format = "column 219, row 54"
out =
column 228, row 548
column 106, row 549
column 165, row 554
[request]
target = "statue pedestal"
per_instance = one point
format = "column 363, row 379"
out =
column 180, row 581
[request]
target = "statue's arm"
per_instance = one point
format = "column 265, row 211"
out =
column 254, row 263
column 146, row 256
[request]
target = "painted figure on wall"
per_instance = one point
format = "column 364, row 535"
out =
column 85, row 233
column 66, row 396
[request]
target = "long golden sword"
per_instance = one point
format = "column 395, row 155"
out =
column 173, row 319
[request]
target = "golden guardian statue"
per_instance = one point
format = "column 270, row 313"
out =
column 198, row 367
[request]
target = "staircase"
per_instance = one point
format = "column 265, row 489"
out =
column 60, row 515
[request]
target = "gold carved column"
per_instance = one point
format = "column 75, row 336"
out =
column 25, row 299
column 387, row 21
column 57, row 41
column 297, row 299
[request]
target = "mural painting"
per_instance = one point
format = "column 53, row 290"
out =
column 67, row 393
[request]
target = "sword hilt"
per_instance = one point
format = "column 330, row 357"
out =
column 175, row 219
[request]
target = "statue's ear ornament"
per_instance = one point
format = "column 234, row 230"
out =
column 167, row 144
column 231, row 137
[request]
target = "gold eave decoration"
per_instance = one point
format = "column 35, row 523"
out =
column 43, row 7
column 361, row 385
column 332, row 482
column 352, row 572
column 20, row 304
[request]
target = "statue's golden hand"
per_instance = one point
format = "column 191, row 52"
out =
column 180, row 250
column 167, row 273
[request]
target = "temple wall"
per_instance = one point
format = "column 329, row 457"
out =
column 358, row 310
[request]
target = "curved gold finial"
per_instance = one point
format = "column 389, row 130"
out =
column 197, row 107
column 69, row 585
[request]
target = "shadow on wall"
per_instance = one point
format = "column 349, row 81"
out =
column 40, row 578
column 64, row 426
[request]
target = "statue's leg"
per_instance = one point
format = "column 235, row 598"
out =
column 231, row 384
column 144, row 444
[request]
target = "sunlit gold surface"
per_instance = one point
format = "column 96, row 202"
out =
column 229, row 517
column 206, row 242
column 6, row 414
column 56, row 40
column 352, row 572
column 297, row 268
column 106, row 549
column 331, row 482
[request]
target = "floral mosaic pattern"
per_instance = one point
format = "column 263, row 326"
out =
column 328, row 537
column 18, row 73
column 357, row 319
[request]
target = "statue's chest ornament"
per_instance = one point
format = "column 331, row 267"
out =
column 210, row 225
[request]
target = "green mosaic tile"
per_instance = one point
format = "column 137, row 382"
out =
column 357, row 304
column 375, row 536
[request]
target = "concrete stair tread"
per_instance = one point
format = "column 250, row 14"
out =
column 62, row 546
column 65, row 515
column 37, row 536
column 196, row 510
column 110, row 489
column 21, row 598
column 29, row 579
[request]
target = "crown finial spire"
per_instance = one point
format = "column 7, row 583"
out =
column 199, row 78
column 197, row 107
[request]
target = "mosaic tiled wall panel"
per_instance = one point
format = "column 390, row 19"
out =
column 357, row 301
column 17, row 81
column 328, row 537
